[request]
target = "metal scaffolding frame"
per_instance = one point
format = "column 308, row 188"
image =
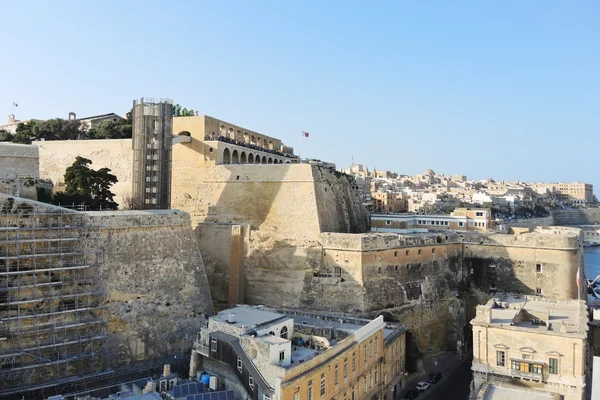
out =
column 52, row 322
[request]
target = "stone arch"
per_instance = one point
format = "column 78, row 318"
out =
column 284, row 332
column 270, row 145
column 270, row 161
column 280, row 161
column 250, row 158
column 223, row 131
column 252, row 140
column 264, row 143
column 258, row 141
column 246, row 137
column 226, row 156
column 235, row 157
column 184, row 133
column 243, row 158
column 264, row 160
column 231, row 134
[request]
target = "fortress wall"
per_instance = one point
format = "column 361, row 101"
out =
column 116, row 154
column 530, row 222
column 155, row 283
column 578, row 216
column 18, row 160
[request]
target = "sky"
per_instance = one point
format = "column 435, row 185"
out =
column 508, row 90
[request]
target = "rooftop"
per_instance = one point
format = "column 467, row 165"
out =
column 494, row 392
column 243, row 316
column 561, row 317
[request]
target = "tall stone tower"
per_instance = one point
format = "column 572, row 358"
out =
column 152, row 144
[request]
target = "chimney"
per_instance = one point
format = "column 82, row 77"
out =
column 149, row 388
column 231, row 318
column 166, row 369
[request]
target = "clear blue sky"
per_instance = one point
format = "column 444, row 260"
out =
column 508, row 89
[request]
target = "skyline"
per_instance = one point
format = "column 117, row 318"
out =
column 504, row 92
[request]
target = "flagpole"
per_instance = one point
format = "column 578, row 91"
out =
column 301, row 140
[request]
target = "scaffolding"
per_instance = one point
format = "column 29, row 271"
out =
column 52, row 322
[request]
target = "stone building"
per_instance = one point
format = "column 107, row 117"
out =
column 264, row 353
column 461, row 219
column 533, row 343
column 18, row 160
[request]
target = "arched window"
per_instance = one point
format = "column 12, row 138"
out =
column 407, row 252
column 238, row 135
column 252, row 140
column 235, row 158
column 243, row 157
column 270, row 145
column 284, row 332
column 231, row 134
column 250, row 158
column 223, row 131
column 270, row 161
column 264, row 143
column 246, row 137
column 264, row 160
column 272, row 333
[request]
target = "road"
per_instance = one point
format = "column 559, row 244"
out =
column 455, row 383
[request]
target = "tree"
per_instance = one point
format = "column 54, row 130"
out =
column 540, row 211
column 182, row 112
column 111, row 130
column 6, row 136
column 524, row 212
column 59, row 129
column 88, row 186
column 25, row 132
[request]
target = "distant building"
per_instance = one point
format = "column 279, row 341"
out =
column 152, row 146
column 221, row 142
column 462, row 219
column 11, row 125
column 530, row 343
column 92, row 122
column 263, row 353
column 577, row 193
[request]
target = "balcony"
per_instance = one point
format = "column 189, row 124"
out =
column 538, row 376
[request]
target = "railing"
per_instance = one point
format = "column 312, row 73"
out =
column 529, row 375
column 249, row 145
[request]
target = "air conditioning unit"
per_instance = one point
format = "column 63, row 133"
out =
column 163, row 386
column 172, row 383
column 214, row 383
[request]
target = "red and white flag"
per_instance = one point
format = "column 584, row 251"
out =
column 305, row 134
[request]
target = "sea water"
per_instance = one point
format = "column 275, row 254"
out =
column 592, row 261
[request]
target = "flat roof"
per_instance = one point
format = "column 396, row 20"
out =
column 246, row 316
column 494, row 392
column 311, row 321
column 536, row 313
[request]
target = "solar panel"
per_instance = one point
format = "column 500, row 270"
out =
column 200, row 387
column 177, row 391
column 230, row 395
column 222, row 396
column 190, row 397
column 184, row 390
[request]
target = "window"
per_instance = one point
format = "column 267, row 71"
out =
column 322, row 385
column 553, row 366
column 407, row 252
column 353, row 362
column 371, row 350
column 296, row 396
column 213, row 344
column 388, row 222
column 353, row 396
column 376, row 375
column 395, row 254
column 419, row 252
column 365, row 384
column 336, row 378
column 385, row 378
column 538, row 291
column 461, row 224
column 309, row 391
column 538, row 267
column 251, row 383
column 376, row 346
column 500, row 358
column 479, row 214
column 365, row 353
column 281, row 356
column 284, row 332
column 370, row 380
column 239, row 364
column 345, row 368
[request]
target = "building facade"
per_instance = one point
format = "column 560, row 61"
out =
column 462, row 219
column 264, row 353
column 531, row 343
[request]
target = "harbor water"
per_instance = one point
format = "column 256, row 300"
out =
column 592, row 261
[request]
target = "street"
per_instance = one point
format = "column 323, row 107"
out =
column 455, row 383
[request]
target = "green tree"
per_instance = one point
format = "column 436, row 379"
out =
column 178, row 111
column 524, row 212
column 540, row 211
column 88, row 186
column 25, row 132
column 59, row 129
column 6, row 136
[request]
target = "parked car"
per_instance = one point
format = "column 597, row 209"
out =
column 422, row 386
column 434, row 377
column 411, row 394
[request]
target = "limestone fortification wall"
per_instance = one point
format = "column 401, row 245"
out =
column 156, row 287
column 116, row 154
column 18, row 160
column 578, row 216
column 530, row 222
